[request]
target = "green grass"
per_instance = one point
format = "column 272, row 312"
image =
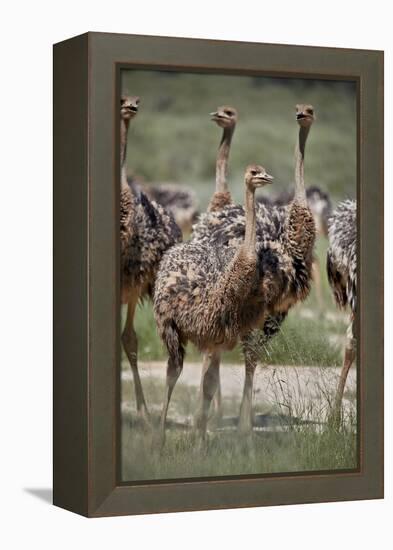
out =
column 294, row 448
column 299, row 450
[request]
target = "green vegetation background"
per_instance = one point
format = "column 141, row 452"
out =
column 173, row 138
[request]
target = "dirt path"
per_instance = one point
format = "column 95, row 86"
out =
column 304, row 392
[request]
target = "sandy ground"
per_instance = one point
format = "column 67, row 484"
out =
column 303, row 392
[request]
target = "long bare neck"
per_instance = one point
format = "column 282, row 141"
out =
column 222, row 160
column 300, row 189
column 127, row 198
column 236, row 283
column 124, row 124
column 250, row 233
column 300, row 226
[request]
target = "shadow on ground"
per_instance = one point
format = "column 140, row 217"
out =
column 44, row 494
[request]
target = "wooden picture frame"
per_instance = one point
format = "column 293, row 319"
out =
column 86, row 281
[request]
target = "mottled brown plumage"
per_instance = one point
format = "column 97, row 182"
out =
column 213, row 295
column 177, row 199
column 321, row 208
column 219, row 200
column 146, row 232
column 342, row 276
column 292, row 230
column 318, row 200
column 341, row 255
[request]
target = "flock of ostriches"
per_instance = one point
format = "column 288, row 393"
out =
column 236, row 278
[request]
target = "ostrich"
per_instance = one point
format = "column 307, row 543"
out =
column 146, row 232
column 225, row 117
column 206, row 294
column 341, row 271
column 293, row 227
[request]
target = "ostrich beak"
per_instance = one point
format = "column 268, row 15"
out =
column 262, row 180
column 268, row 178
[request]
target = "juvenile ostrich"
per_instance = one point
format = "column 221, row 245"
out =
column 225, row 117
column 293, row 228
column 208, row 295
column 341, row 271
column 146, row 232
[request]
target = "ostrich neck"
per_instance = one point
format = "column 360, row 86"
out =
column 250, row 231
column 126, row 194
column 124, row 124
column 236, row 283
column 300, row 227
column 300, row 190
column 222, row 160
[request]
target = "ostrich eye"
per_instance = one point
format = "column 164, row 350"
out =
column 310, row 111
column 229, row 113
column 254, row 172
column 122, row 101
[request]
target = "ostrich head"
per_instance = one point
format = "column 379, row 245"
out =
column 129, row 106
column 256, row 176
column 225, row 116
column 305, row 115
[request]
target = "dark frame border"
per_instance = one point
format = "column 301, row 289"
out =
column 85, row 478
column 120, row 67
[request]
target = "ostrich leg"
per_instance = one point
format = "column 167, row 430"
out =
column 349, row 357
column 130, row 344
column 209, row 383
column 216, row 413
column 174, row 369
column 217, row 402
column 316, row 272
column 246, row 416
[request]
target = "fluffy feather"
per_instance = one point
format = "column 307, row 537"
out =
column 341, row 255
column 147, row 231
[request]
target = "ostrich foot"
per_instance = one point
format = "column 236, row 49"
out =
column 143, row 419
column 201, row 443
column 335, row 418
column 246, row 420
column 199, row 431
column 158, row 441
column 245, row 426
column 216, row 417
